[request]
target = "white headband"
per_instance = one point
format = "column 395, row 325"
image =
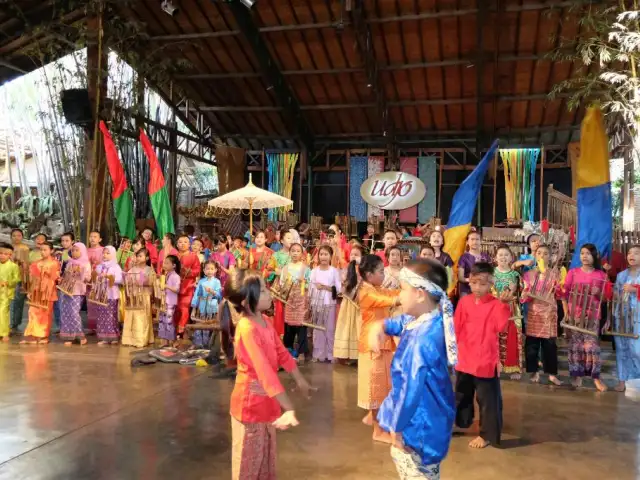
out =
column 417, row 281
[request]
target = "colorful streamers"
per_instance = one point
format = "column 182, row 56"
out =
column 520, row 182
column 281, row 169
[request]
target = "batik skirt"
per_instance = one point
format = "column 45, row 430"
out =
column 374, row 378
column 39, row 321
column 137, row 330
column 347, row 331
column 70, row 320
column 107, row 326
column 511, row 353
column 253, row 451
column 410, row 467
column 166, row 325
column 584, row 355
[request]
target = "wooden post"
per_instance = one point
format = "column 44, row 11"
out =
column 349, row 184
column 440, row 185
column 542, row 160
column 263, row 165
column 496, row 159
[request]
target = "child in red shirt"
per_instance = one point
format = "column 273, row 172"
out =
column 478, row 320
column 258, row 395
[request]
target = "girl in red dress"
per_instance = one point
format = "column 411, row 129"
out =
column 189, row 274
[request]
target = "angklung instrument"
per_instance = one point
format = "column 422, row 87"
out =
column 99, row 293
column 72, row 274
column 319, row 311
column 622, row 314
column 41, row 292
column 282, row 292
column 159, row 283
column 133, row 291
column 204, row 311
column 584, row 305
column 21, row 258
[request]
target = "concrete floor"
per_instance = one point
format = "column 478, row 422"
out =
column 83, row 413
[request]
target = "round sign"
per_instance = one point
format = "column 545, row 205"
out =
column 393, row 190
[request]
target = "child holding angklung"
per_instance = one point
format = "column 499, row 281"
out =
column 584, row 349
column 137, row 329
column 296, row 311
column 124, row 252
column 507, row 279
column 44, row 274
column 324, row 287
column 374, row 377
column 189, row 274
column 468, row 259
column 94, row 252
column 345, row 345
column 628, row 348
column 420, row 409
column 107, row 326
column 205, row 301
column 274, row 269
column 542, row 322
column 166, row 321
column 479, row 318
column 258, row 396
column 79, row 268
column 9, row 279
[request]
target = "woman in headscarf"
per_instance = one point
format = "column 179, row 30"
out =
column 76, row 275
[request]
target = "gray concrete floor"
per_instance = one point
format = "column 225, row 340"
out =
column 83, row 413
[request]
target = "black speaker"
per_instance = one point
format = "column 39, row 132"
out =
column 76, row 106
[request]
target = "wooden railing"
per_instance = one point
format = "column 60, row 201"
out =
column 623, row 240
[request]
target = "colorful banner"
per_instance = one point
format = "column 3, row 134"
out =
column 282, row 168
column 427, row 170
column 375, row 166
column 358, row 172
column 410, row 166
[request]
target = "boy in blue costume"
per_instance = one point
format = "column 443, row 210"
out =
column 420, row 409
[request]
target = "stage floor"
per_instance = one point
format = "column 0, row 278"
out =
column 83, row 413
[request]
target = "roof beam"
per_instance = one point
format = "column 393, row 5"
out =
column 481, row 20
column 244, row 19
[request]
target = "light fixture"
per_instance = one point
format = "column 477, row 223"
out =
column 369, row 85
column 168, row 7
column 248, row 3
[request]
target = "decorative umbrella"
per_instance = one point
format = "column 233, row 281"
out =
column 250, row 198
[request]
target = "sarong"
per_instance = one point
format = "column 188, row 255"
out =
column 253, row 451
column 70, row 320
column 39, row 322
column 137, row 330
column 410, row 467
column 183, row 311
column 325, row 316
column 511, row 353
column 278, row 316
column 584, row 356
column 374, row 378
column 347, row 331
column 107, row 327
column 166, row 327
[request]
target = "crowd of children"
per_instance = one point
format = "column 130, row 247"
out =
column 332, row 303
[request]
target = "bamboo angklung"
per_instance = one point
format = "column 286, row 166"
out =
column 22, row 260
column 282, row 292
column 160, row 296
column 40, row 293
column 207, row 316
column 621, row 315
column 133, row 289
column 99, row 289
column 319, row 312
column 583, row 312
column 71, row 276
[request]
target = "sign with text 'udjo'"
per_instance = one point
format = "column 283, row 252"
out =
column 393, row 190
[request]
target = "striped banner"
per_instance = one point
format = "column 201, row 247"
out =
column 358, row 170
column 409, row 165
column 376, row 166
column 427, row 169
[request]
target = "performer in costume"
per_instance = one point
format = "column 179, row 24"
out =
column 507, row 279
column 261, row 254
column 240, row 253
column 207, row 295
column 374, row 380
column 150, row 245
column 324, row 286
column 468, row 259
column 20, row 258
column 107, row 326
column 9, row 279
column 34, row 255
column 274, row 268
column 166, row 321
column 189, row 274
column 47, row 270
column 137, row 329
column 584, row 349
column 258, row 396
column 628, row 348
column 225, row 259
column 436, row 240
column 349, row 320
column 124, row 252
column 393, row 268
column 542, row 323
column 390, row 239
column 197, row 247
column 297, row 309
column 138, row 244
column 420, row 409
column 70, row 321
column 168, row 248
column 527, row 261
column 94, row 252
column 479, row 317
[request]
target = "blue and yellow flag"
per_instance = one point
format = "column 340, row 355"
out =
column 594, row 187
column 463, row 206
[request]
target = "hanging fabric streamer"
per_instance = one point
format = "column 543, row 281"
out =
column 520, row 182
column 281, row 169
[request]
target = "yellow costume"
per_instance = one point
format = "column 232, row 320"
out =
column 9, row 279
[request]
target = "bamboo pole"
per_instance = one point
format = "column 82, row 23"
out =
column 440, row 185
column 496, row 158
column 542, row 161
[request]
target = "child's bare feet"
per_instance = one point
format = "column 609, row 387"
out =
column 576, row 382
column 535, row 378
column 102, row 343
column 368, row 419
column 600, row 386
column 5, row 339
column 44, row 341
column 479, row 442
column 382, row 437
column 23, row 342
column 83, row 341
column 114, row 342
column 68, row 344
column 515, row 376
column 555, row 380
column 620, row 387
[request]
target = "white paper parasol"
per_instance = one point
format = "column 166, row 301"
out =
column 250, row 197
